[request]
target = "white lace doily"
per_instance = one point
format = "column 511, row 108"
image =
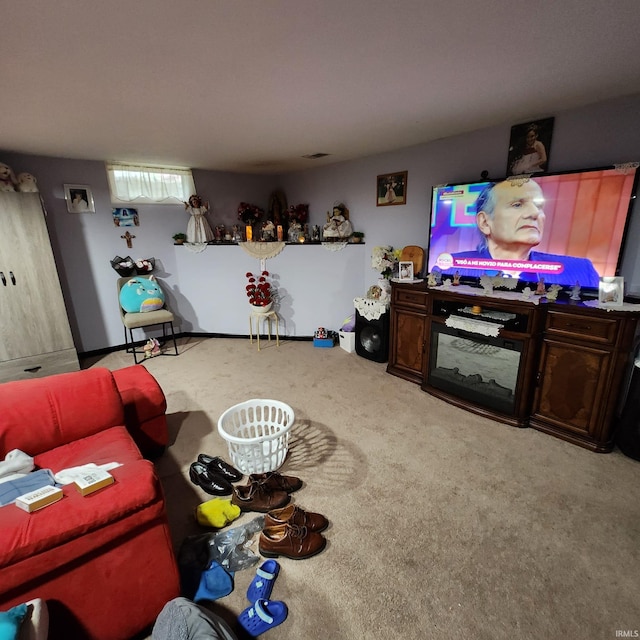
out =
column 262, row 249
column 369, row 308
column 474, row 326
column 195, row 247
column 334, row 246
column 626, row 306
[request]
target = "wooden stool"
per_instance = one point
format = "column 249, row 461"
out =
column 263, row 316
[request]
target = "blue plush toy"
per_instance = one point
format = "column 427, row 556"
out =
column 139, row 295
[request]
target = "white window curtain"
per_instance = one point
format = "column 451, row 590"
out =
column 131, row 183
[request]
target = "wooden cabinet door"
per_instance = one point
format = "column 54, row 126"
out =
column 571, row 387
column 408, row 344
column 33, row 318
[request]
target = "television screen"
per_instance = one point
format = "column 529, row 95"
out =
column 564, row 228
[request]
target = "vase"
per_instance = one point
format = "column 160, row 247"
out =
column 262, row 309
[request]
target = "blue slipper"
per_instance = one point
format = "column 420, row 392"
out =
column 262, row 616
column 215, row 582
column 262, row 584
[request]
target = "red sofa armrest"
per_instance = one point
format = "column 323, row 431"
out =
column 145, row 409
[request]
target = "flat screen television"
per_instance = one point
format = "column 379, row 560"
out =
column 561, row 227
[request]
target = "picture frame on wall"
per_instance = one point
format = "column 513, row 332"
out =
column 391, row 189
column 529, row 147
column 405, row 271
column 125, row 217
column 611, row 291
column 79, row 198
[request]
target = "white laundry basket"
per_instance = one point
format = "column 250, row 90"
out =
column 257, row 433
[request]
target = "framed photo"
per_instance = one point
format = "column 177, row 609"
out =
column 611, row 291
column 392, row 189
column 125, row 217
column 529, row 147
column 79, row 198
column 405, row 271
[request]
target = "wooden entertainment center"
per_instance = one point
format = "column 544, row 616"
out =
column 568, row 363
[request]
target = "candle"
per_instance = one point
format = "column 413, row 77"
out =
column 249, row 232
column 280, row 233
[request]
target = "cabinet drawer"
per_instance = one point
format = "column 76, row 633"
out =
column 38, row 366
column 601, row 330
column 411, row 298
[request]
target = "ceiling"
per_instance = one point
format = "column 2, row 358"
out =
column 252, row 86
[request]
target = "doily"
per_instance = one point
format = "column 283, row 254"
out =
column 334, row 246
column 625, row 306
column 262, row 249
column 195, row 247
column 369, row 308
column 474, row 326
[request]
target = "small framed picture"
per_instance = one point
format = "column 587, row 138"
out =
column 611, row 291
column 392, row 189
column 405, row 270
column 529, row 147
column 125, row 217
column 79, row 198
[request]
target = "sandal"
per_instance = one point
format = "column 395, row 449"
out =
column 262, row 584
column 262, row 616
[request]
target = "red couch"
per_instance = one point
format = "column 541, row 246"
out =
column 104, row 563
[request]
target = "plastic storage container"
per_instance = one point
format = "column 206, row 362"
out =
column 257, row 434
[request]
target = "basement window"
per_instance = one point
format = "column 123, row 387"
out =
column 141, row 184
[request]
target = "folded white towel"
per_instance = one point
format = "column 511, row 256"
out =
column 16, row 462
column 67, row 476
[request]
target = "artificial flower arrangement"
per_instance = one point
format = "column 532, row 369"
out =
column 299, row 212
column 259, row 289
column 384, row 259
column 249, row 213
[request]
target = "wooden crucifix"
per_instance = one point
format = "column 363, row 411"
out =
column 128, row 237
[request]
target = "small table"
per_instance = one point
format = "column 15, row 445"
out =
column 268, row 316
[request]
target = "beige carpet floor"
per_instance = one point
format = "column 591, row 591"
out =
column 444, row 524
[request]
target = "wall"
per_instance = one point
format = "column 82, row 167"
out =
column 601, row 134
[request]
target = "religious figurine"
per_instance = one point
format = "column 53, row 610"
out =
column 237, row 235
column 431, row 279
column 295, row 231
column 527, row 292
column 315, row 232
column 198, row 229
column 552, row 293
column 456, row 279
column 268, row 231
column 575, row 291
column 219, row 232
column 540, row 289
column 338, row 224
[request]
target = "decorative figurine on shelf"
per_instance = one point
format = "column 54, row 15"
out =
column 575, row 291
column 527, row 292
column 552, row 292
column 540, row 289
column 237, row 234
column 486, row 282
column 456, row 279
column 295, row 231
column 268, row 231
column 338, row 224
column 315, row 233
column 218, row 232
column 27, row 183
column 7, row 178
column 198, row 229
column 431, row 279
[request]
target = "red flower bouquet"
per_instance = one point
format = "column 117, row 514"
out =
column 259, row 289
column 299, row 212
column 249, row 213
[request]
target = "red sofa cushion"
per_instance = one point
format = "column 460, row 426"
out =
column 76, row 525
column 43, row 413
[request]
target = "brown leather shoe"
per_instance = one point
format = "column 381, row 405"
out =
column 255, row 496
column 274, row 480
column 290, row 541
column 295, row 515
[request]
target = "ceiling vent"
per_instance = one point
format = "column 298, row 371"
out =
column 315, row 156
